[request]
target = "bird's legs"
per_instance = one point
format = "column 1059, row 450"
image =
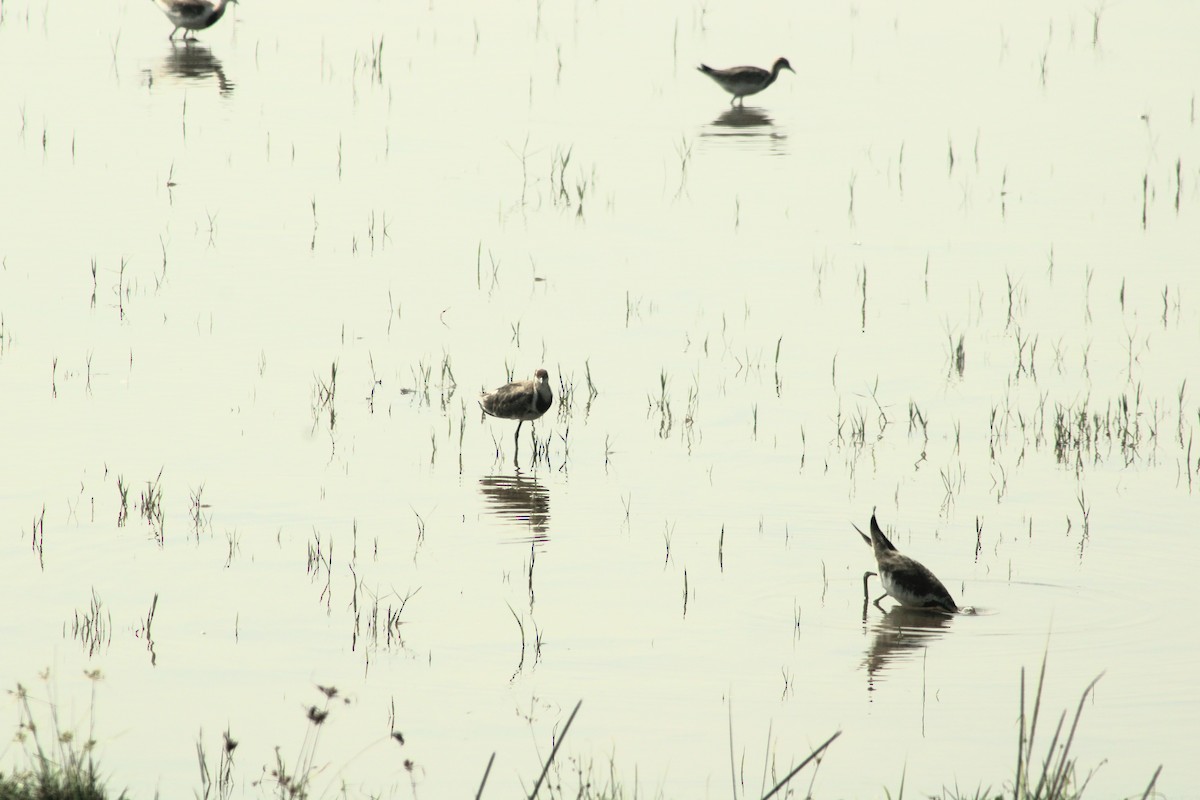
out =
column 517, row 440
column 517, row 445
column 866, row 575
column 866, row 595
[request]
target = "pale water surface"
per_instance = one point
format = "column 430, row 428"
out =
column 946, row 272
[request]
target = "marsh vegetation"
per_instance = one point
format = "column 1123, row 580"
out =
column 250, row 288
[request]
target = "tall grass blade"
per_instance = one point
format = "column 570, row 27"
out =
column 801, row 765
column 554, row 750
column 486, row 771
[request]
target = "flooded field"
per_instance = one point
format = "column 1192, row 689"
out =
column 251, row 288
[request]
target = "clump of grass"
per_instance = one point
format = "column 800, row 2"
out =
column 323, row 397
column 150, row 506
column 566, row 395
column 1058, row 777
column 61, row 764
column 198, row 511
column 295, row 782
column 93, row 628
column 123, row 493
column 61, row 767
column 221, row 785
column 661, row 406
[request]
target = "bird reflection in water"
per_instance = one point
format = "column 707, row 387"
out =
column 521, row 501
column 750, row 126
column 900, row 634
column 192, row 64
column 741, row 117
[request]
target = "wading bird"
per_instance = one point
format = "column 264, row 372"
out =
column 520, row 400
column 743, row 81
column 193, row 15
column 905, row 579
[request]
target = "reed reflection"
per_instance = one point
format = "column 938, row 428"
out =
column 751, row 127
column 192, row 64
column 521, row 501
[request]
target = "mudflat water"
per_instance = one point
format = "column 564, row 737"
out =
column 251, row 287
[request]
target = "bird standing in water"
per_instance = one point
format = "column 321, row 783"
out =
column 520, row 400
column 743, row 81
column 904, row 578
column 193, row 15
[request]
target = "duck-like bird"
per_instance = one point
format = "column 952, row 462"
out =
column 743, row 81
column 520, row 400
column 904, row 578
column 193, row 15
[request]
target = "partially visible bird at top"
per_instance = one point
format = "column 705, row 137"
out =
column 193, row 15
column 520, row 400
column 744, row 81
column 904, row 578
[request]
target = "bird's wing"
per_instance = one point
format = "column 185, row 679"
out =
column 509, row 400
column 190, row 9
column 747, row 73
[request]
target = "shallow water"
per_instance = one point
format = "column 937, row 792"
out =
column 944, row 273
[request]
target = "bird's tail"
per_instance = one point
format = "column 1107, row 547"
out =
column 877, row 533
column 705, row 68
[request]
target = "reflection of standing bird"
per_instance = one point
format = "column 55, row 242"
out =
column 520, row 400
column 905, row 579
column 518, row 501
column 193, row 15
column 743, row 81
column 194, row 65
